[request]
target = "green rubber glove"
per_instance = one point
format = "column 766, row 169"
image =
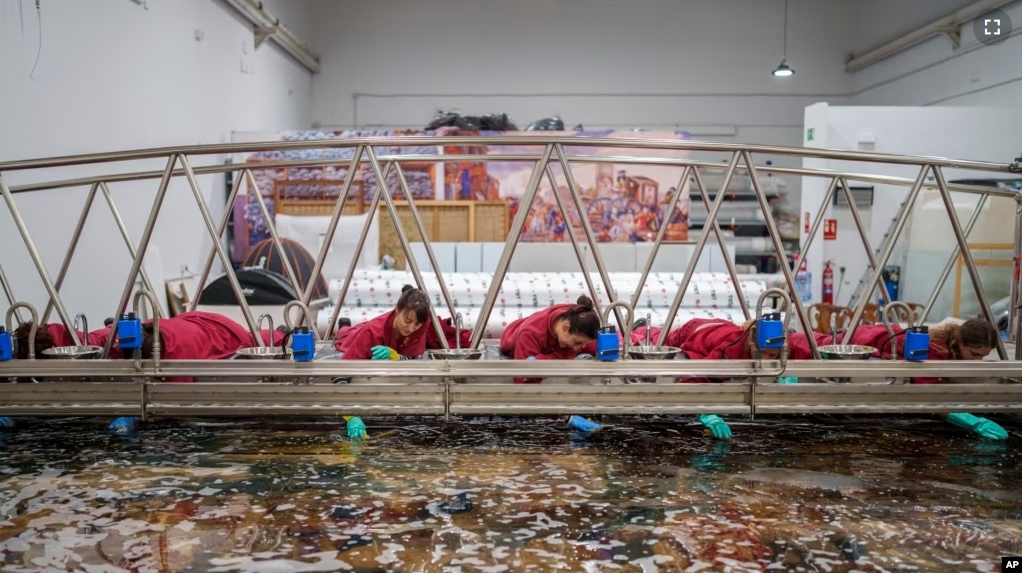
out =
column 717, row 427
column 979, row 425
column 384, row 353
column 356, row 428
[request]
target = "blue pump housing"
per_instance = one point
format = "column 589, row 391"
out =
column 129, row 332
column 917, row 344
column 607, row 344
column 303, row 345
column 6, row 345
column 770, row 332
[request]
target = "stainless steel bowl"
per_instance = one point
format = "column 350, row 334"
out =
column 264, row 353
column 846, row 352
column 653, row 352
column 74, row 352
column 455, row 354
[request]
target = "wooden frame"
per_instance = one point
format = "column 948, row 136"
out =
column 958, row 288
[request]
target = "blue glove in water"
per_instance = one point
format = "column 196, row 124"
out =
column 356, row 428
column 122, row 424
column 717, row 427
column 6, row 422
column 530, row 358
column 384, row 353
column 979, row 425
column 583, row 424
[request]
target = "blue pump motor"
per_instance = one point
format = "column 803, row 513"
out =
column 917, row 344
column 607, row 344
column 129, row 332
column 770, row 332
column 303, row 344
column 6, row 345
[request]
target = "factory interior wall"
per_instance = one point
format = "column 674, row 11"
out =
column 927, row 240
column 934, row 73
column 115, row 75
column 700, row 65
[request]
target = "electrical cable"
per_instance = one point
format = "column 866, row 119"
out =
column 39, row 48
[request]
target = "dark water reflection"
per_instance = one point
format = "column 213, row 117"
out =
column 828, row 494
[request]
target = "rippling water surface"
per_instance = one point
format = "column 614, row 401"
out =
column 482, row 495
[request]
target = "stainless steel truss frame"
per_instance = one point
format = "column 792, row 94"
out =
column 446, row 388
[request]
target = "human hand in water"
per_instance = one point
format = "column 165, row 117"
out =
column 6, row 422
column 384, row 353
column 356, row 428
column 122, row 424
column 980, row 425
column 717, row 427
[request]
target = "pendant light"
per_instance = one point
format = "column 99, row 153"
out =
column 784, row 70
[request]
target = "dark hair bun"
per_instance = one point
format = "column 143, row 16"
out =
column 407, row 288
column 584, row 302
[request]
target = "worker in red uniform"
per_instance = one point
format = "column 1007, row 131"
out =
column 57, row 335
column 971, row 341
column 561, row 332
column 448, row 326
column 396, row 335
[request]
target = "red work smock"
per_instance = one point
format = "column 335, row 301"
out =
column 533, row 336
column 357, row 342
column 198, row 335
column 877, row 336
column 446, row 325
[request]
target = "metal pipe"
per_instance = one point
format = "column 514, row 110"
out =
column 194, row 304
column 335, row 217
column 33, row 326
column 572, row 238
column 779, row 247
column 509, row 247
column 85, row 327
column 9, row 293
column 372, row 213
column 712, row 215
column 419, row 158
column 307, row 316
column 591, row 239
column 403, row 184
column 626, row 327
column 270, row 322
column 259, row 17
column 232, row 278
column 889, row 247
column 971, row 267
column 951, row 261
column 458, row 331
column 743, row 304
column 37, row 259
column 124, row 233
column 288, row 269
column 143, row 294
column 892, row 307
column 403, row 240
column 147, row 234
column 1014, row 289
column 75, row 236
column 527, row 140
column 649, row 327
column 656, row 246
column 866, row 240
column 817, row 220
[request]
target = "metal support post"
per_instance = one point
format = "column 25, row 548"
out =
column 213, row 250
column 124, row 233
column 723, row 245
column 656, row 246
column 866, row 240
column 951, row 261
column 572, row 238
column 272, row 227
column 66, row 264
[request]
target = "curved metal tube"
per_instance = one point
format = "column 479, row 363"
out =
column 785, row 326
column 259, row 323
column 649, row 326
column 34, row 324
column 308, row 316
column 889, row 308
column 626, row 328
column 85, row 327
column 458, row 331
column 156, row 320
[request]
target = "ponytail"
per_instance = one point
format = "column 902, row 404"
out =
column 583, row 318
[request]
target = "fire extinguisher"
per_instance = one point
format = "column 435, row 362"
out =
column 828, row 285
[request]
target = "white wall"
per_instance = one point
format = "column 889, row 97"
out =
column 114, row 75
column 700, row 65
column 934, row 72
column 961, row 132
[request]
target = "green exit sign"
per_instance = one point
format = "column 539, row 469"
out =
column 809, row 134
